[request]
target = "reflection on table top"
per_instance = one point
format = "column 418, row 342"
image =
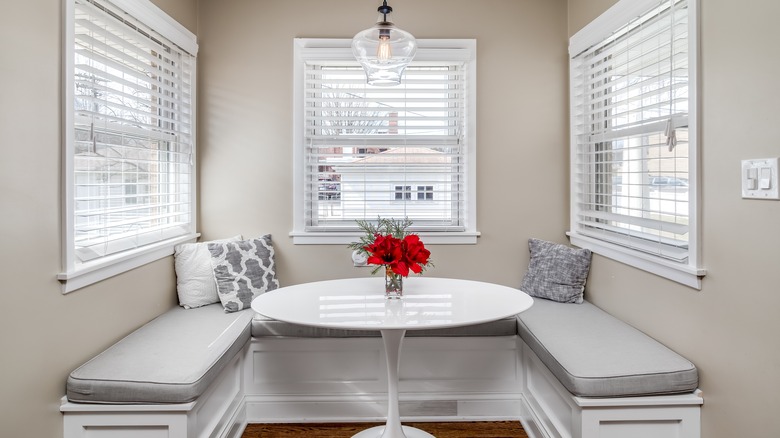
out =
column 360, row 303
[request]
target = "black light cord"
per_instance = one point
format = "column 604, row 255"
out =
column 384, row 10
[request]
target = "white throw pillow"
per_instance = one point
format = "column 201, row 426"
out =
column 194, row 274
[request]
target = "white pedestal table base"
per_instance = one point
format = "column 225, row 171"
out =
column 408, row 432
column 393, row 338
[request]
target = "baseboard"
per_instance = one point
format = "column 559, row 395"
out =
column 372, row 408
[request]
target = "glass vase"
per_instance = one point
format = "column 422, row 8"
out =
column 394, row 284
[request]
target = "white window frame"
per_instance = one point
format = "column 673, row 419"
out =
column 75, row 274
column 690, row 272
column 340, row 49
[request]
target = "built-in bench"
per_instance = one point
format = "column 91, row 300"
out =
column 588, row 375
column 177, row 376
column 565, row 370
column 172, row 359
column 204, row 372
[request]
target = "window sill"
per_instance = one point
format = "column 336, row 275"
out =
column 685, row 274
column 92, row 272
column 346, row 237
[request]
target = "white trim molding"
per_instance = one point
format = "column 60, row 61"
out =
column 107, row 267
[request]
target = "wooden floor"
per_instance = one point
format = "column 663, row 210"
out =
column 486, row 429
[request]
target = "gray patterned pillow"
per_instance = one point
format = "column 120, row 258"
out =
column 556, row 272
column 243, row 270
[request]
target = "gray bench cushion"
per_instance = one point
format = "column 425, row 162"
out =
column 263, row 326
column 593, row 354
column 172, row 359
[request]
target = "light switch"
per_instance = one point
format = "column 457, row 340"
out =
column 752, row 178
column 759, row 179
column 765, row 183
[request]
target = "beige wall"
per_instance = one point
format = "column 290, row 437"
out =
column 730, row 327
column 44, row 334
column 245, row 130
column 183, row 11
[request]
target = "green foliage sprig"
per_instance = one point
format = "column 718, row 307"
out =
column 382, row 226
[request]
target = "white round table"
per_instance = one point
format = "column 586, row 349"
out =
column 360, row 304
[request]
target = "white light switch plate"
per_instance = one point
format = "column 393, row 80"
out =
column 759, row 179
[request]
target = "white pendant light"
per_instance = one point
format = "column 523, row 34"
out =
column 384, row 50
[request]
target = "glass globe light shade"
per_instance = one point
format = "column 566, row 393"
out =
column 384, row 51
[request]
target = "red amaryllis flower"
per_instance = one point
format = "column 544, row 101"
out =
column 415, row 254
column 386, row 250
column 400, row 255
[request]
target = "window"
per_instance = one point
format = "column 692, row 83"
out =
column 425, row 193
column 403, row 193
column 129, row 142
column 379, row 143
column 634, row 147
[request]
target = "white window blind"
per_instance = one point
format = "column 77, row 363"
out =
column 131, row 134
column 385, row 151
column 632, row 156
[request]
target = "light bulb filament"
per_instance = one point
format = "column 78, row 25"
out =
column 384, row 51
